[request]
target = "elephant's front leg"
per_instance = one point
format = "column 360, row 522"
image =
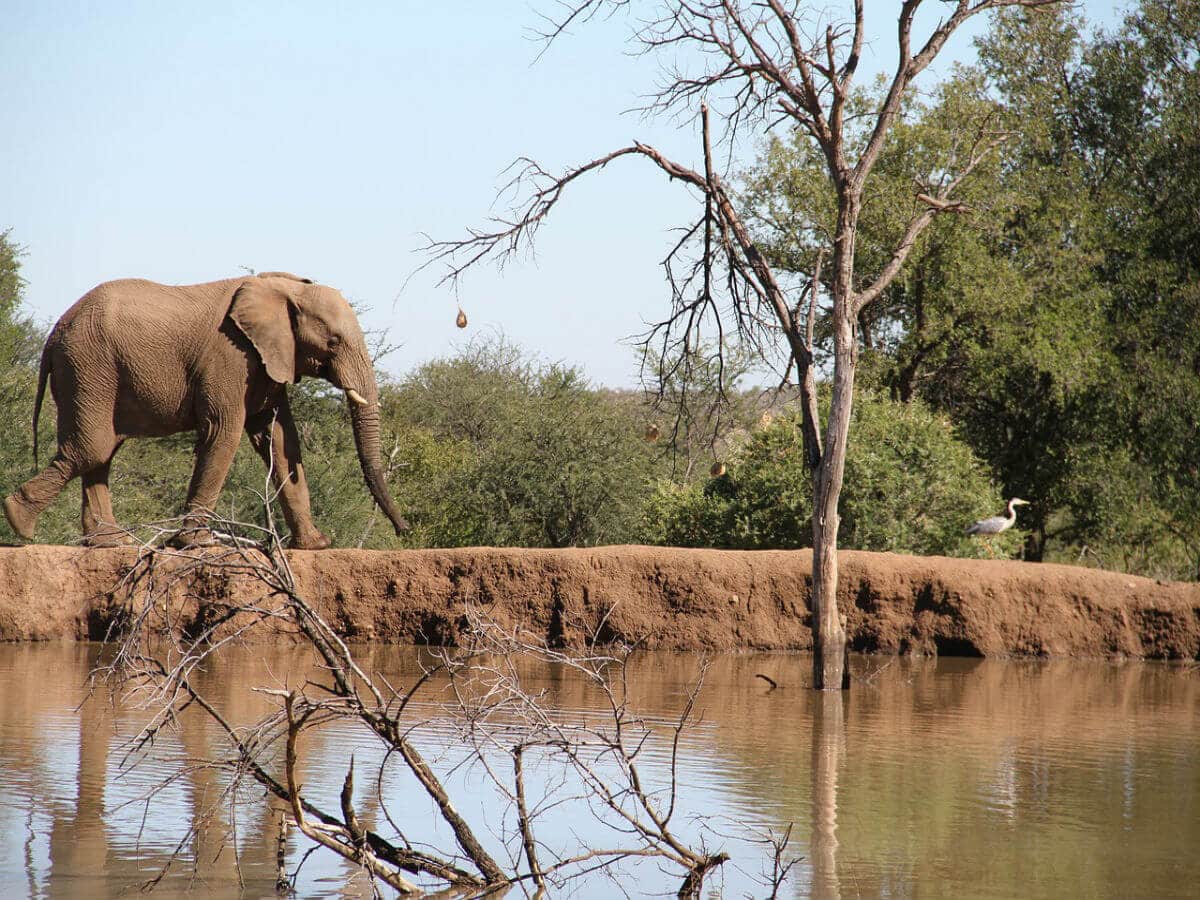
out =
column 215, row 450
column 273, row 434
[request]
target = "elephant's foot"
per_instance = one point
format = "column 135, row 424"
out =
column 23, row 521
column 312, row 540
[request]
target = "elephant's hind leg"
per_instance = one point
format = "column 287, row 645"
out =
column 24, row 505
column 100, row 528
column 20, row 518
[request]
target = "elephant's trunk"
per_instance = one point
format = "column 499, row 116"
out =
column 364, row 418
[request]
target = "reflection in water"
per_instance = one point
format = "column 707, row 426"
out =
column 828, row 742
column 933, row 778
column 78, row 843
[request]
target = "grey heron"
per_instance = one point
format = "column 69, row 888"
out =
column 997, row 524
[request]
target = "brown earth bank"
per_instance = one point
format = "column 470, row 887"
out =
column 664, row 598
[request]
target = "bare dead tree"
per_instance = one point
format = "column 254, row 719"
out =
column 763, row 63
column 165, row 634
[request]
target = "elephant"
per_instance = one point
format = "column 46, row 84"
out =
column 134, row 358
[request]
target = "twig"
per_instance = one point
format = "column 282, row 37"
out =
column 768, row 679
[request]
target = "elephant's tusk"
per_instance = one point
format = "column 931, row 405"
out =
column 356, row 398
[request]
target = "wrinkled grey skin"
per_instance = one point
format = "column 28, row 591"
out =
column 134, row 358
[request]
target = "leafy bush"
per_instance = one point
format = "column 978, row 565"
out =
column 523, row 453
column 911, row 486
column 20, row 353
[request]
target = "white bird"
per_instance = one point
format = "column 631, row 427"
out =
column 997, row 524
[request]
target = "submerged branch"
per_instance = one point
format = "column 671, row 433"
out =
column 157, row 656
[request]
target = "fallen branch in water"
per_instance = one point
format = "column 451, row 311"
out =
column 158, row 652
column 768, row 679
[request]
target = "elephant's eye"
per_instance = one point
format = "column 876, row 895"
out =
column 334, row 341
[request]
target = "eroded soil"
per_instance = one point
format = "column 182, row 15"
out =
column 662, row 597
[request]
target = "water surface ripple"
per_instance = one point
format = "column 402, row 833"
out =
column 929, row 778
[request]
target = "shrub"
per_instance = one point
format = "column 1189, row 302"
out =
column 532, row 455
column 911, row 486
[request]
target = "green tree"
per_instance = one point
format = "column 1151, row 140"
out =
column 19, row 340
column 20, row 353
column 1106, row 230
column 1138, row 131
column 998, row 318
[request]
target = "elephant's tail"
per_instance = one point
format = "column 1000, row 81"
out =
column 43, row 376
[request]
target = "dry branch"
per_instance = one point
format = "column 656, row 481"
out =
column 157, row 653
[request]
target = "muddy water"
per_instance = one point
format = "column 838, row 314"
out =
column 932, row 778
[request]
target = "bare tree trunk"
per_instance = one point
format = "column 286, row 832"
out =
column 829, row 636
column 830, row 671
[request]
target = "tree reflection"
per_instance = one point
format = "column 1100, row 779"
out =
column 828, row 747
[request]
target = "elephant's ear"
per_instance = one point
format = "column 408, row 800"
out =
column 261, row 312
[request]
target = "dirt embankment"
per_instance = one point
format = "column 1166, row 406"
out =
column 665, row 598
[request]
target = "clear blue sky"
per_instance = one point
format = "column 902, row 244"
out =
column 179, row 142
